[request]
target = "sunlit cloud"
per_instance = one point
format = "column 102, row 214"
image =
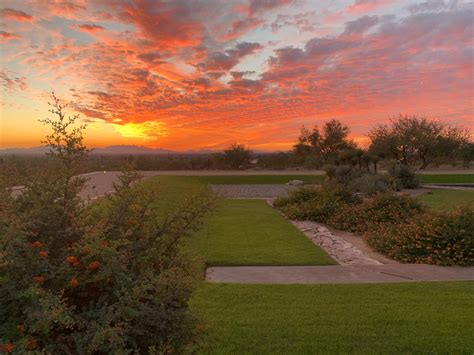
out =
column 189, row 74
column 146, row 130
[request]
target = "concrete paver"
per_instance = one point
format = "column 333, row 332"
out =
column 338, row 274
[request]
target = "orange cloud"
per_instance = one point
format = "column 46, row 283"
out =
column 90, row 28
column 6, row 36
column 16, row 15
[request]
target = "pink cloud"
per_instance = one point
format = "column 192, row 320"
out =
column 15, row 15
column 363, row 6
column 6, row 36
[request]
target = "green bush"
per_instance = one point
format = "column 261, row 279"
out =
column 443, row 239
column 370, row 184
column 315, row 204
column 382, row 209
column 403, row 177
column 106, row 279
column 343, row 174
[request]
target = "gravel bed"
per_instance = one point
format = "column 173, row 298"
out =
column 263, row 191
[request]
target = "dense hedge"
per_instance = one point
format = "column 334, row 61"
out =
column 383, row 208
column 444, row 239
column 315, row 204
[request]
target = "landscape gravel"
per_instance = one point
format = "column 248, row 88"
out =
column 263, row 191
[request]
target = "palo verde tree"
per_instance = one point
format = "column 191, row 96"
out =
column 107, row 278
column 418, row 141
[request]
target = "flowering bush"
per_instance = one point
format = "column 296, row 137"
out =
column 109, row 278
column 433, row 238
column 382, row 209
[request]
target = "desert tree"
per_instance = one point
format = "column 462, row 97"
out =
column 237, row 156
column 326, row 144
column 417, row 141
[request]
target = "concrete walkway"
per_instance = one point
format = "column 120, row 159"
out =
column 338, row 274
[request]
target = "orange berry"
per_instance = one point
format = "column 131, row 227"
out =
column 72, row 260
column 43, row 253
column 7, row 348
column 93, row 265
column 31, row 343
column 73, row 282
column 38, row 279
column 37, row 244
column 198, row 328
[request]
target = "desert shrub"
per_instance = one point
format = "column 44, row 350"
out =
column 343, row 174
column 299, row 195
column 433, row 238
column 315, row 204
column 382, row 209
column 110, row 278
column 370, row 184
column 403, row 177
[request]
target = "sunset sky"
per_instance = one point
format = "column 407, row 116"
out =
column 188, row 74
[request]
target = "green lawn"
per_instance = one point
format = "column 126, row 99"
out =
column 447, row 199
column 239, row 232
column 257, row 179
column 446, row 178
column 428, row 318
column 250, row 232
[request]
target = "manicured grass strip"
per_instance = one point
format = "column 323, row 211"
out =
column 447, row 199
column 446, row 178
column 257, row 179
column 428, row 318
column 249, row 232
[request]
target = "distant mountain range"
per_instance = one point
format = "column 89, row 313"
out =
column 111, row 150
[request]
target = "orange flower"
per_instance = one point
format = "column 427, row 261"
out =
column 93, row 265
column 198, row 328
column 43, row 253
column 7, row 348
column 73, row 282
column 38, row 279
column 72, row 260
column 31, row 343
column 37, row 244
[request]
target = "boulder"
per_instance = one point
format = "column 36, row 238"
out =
column 295, row 183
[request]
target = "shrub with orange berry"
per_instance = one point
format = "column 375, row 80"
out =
column 112, row 286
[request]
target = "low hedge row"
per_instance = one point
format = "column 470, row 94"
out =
column 397, row 226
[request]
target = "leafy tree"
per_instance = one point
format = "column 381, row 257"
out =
column 237, row 156
column 413, row 140
column 326, row 144
column 107, row 278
